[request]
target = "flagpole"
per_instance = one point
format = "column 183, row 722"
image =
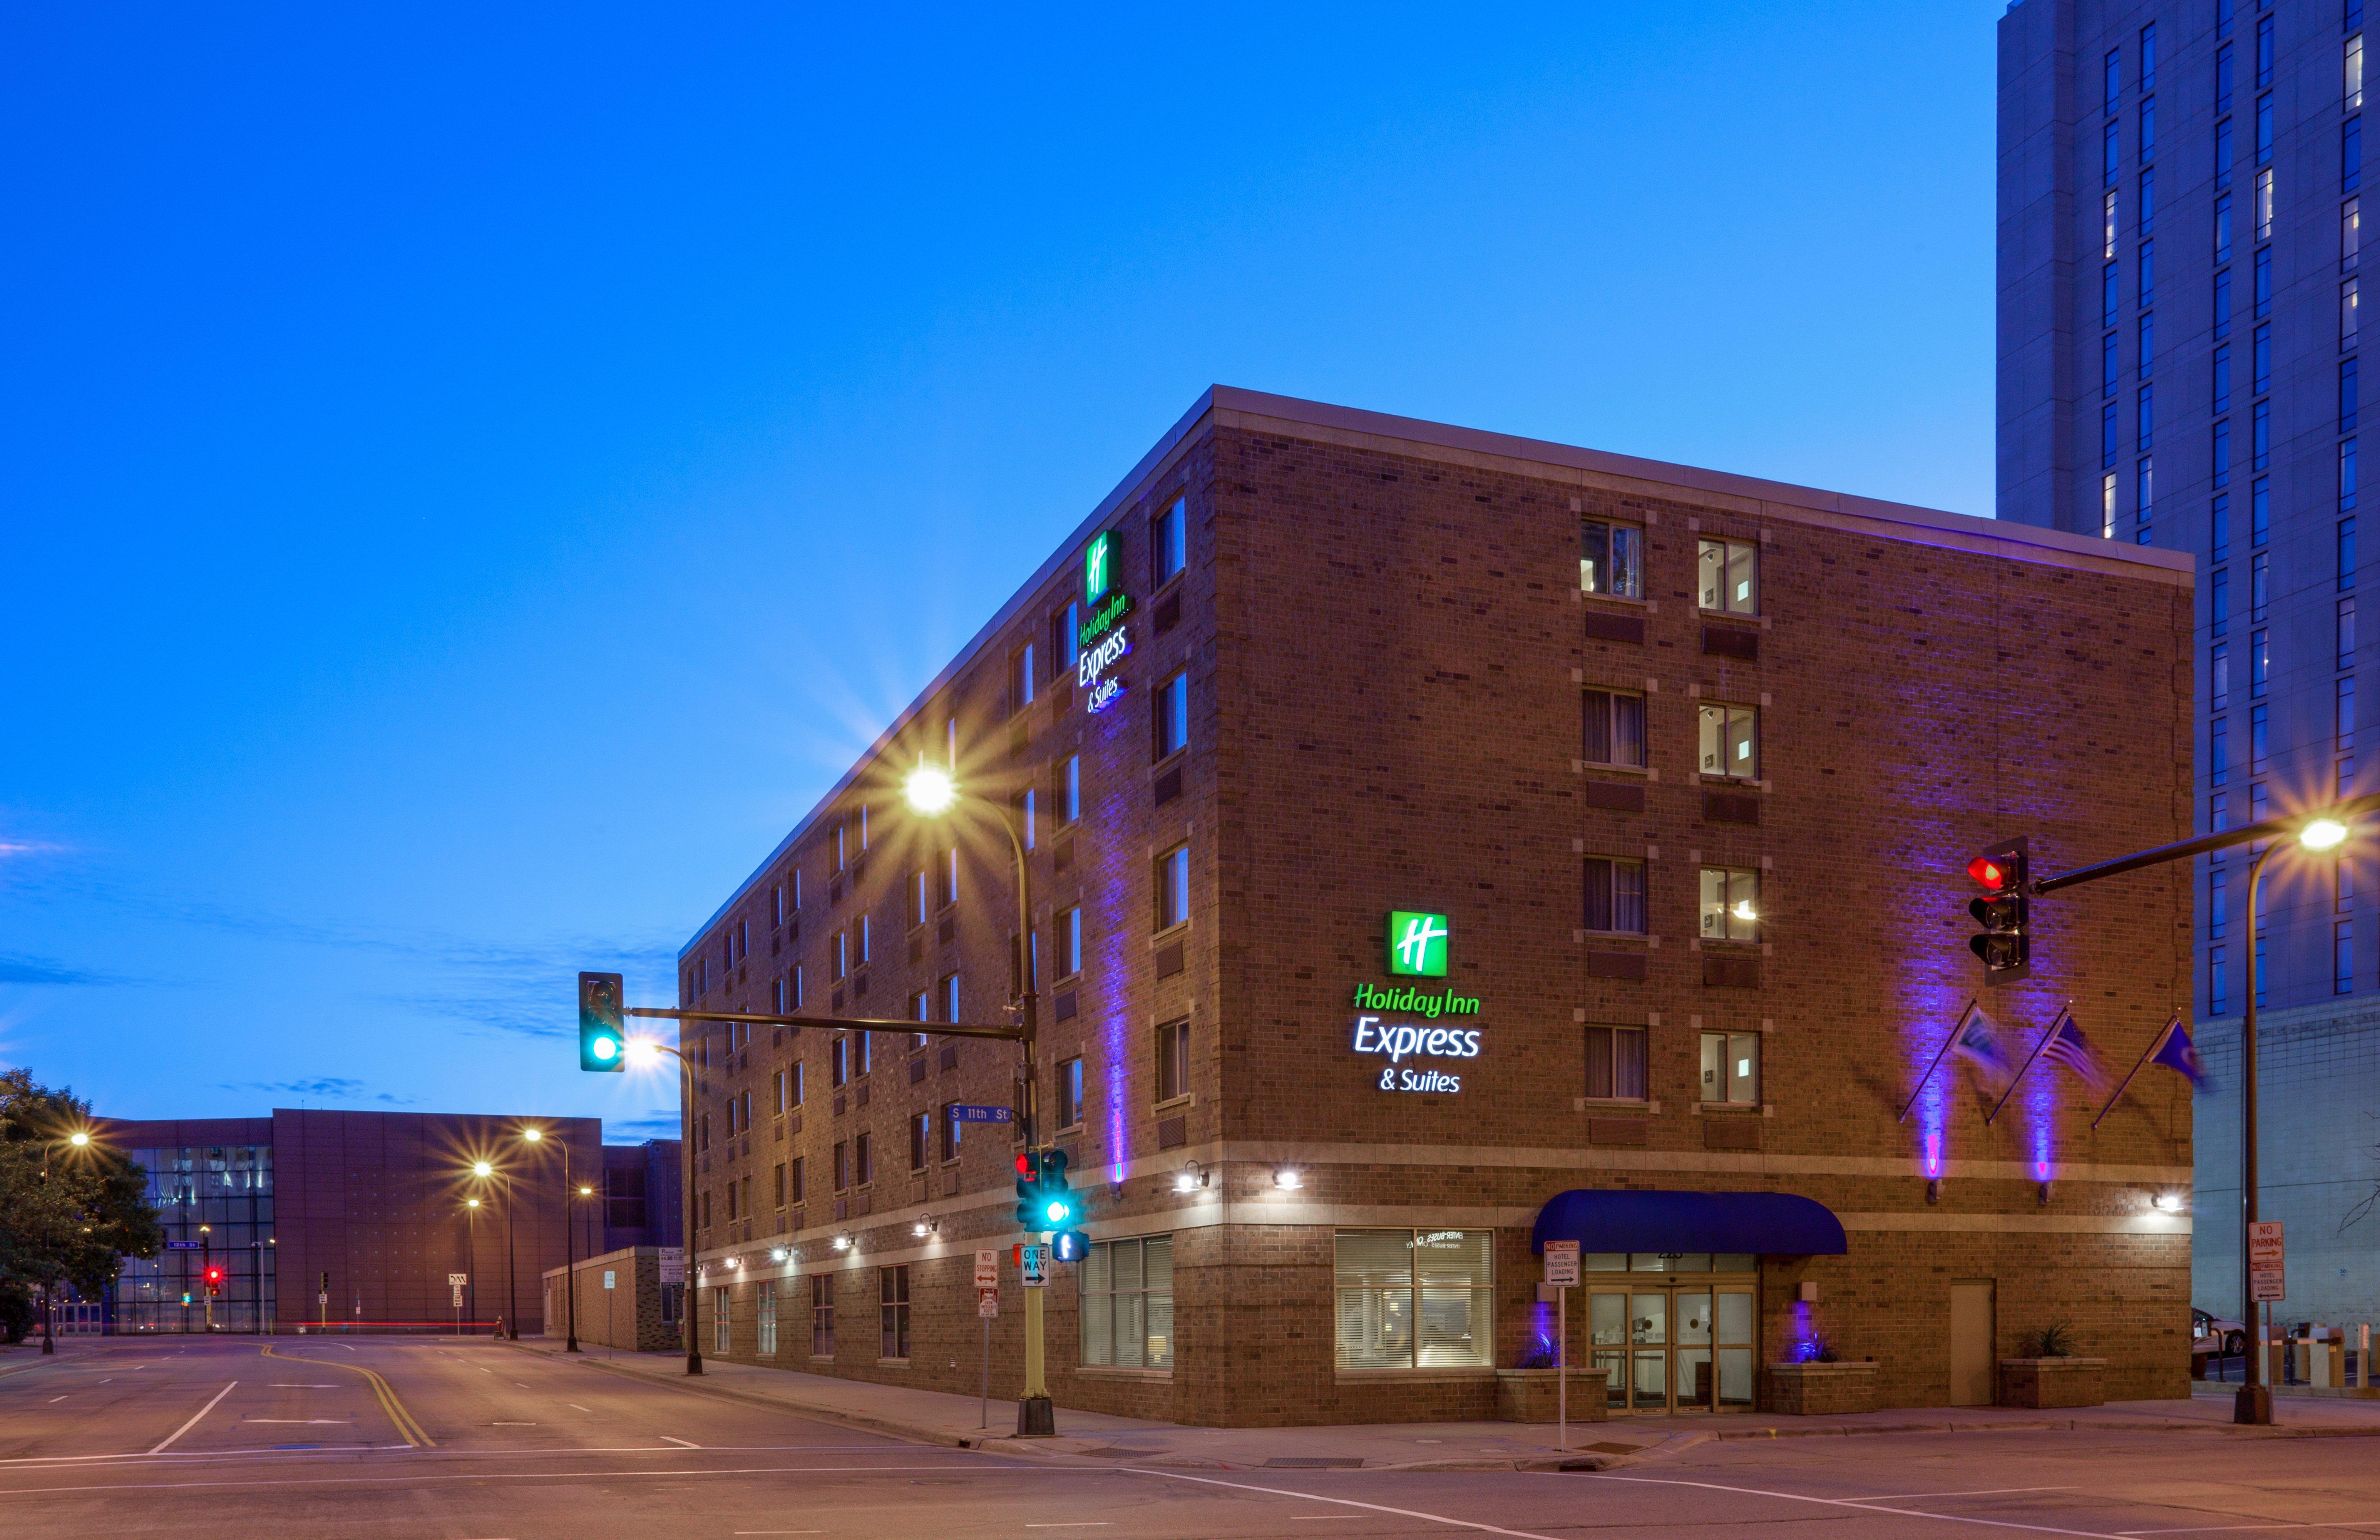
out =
column 1956, row 1027
column 2056, row 1022
column 2155, row 1043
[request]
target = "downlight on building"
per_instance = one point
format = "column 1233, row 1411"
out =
column 1443, row 843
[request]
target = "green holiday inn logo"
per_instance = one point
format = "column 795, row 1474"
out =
column 1417, row 944
column 1099, row 566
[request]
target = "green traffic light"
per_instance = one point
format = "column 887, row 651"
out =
column 1058, row 1213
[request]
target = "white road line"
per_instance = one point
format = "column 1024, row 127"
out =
column 523, row 1387
column 679, row 1442
column 606, row 1475
column 300, row 1422
column 55, row 1400
column 293, row 1385
column 1855, row 1507
column 1342, row 1502
column 194, row 1421
column 1076, row 1523
column 575, row 1407
column 1979, row 1492
column 2225, row 1529
column 777, row 1532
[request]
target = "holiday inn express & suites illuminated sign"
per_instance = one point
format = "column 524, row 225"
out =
column 1417, row 943
column 1102, row 639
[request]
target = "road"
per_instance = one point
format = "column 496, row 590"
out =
column 470, row 1440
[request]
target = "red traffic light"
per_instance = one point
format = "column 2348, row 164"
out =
column 1988, row 871
column 215, row 1275
column 1026, row 1166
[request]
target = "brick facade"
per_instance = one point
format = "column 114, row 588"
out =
column 1383, row 629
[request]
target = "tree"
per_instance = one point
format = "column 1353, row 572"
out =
column 68, row 1213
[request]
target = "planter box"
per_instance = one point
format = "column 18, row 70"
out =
column 2047, row 1382
column 1530, row 1396
column 1820, row 1389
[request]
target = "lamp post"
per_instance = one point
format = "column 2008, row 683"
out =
column 570, row 1196
column 471, row 1259
column 931, row 791
column 644, row 1051
column 77, row 1140
column 484, row 1170
column 2253, row 1403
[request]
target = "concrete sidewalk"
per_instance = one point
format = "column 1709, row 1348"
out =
column 931, row 1416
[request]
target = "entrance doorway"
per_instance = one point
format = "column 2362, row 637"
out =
column 1665, row 1345
column 1971, row 1343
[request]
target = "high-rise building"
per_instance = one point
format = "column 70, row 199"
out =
column 2179, row 244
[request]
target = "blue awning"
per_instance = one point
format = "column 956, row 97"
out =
column 1778, row 1224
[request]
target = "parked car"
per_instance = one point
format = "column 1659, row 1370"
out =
column 2212, row 1334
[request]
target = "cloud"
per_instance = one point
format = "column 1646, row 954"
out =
column 40, row 970
column 322, row 1085
column 655, row 1125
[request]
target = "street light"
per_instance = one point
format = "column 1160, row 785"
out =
column 471, row 1257
column 931, row 791
column 484, row 1170
column 2253, row 1403
column 646, row 1053
column 570, row 1242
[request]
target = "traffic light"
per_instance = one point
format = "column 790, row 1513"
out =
column 1045, row 1204
column 1068, row 1245
column 2006, row 945
column 603, row 1039
column 1060, row 1207
column 214, row 1277
column 1029, row 1190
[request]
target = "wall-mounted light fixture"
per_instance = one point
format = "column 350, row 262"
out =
column 1933, row 1189
column 927, row 1225
column 2168, row 1203
column 2042, row 1196
column 1286, row 1178
column 843, row 1241
column 1192, row 1177
column 778, row 1254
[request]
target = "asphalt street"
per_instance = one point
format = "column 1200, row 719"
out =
column 470, row 1440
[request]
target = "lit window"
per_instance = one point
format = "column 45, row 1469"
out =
column 1731, row 741
column 1414, row 1299
column 1727, row 577
column 1731, row 904
column 1173, row 888
column 2108, row 222
column 1173, row 1060
column 1020, row 678
column 2352, row 81
column 1173, row 716
column 1070, row 941
column 950, row 996
column 1126, row 1299
column 1070, row 1092
column 2347, row 313
column 2350, row 232
column 1612, row 559
column 1731, row 1068
column 1169, row 541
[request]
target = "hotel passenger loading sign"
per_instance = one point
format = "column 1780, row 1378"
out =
column 2267, row 1262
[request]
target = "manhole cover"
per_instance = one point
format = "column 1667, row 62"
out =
column 1313, row 1461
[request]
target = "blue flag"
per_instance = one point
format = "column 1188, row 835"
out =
column 1978, row 1042
column 2178, row 1054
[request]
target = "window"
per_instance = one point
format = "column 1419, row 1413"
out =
column 1615, row 1062
column 2264, row 128
column 2148, row 129
column 2263, row 205
column 1615, row 895
column 921, row 897
column 863, row 1160
column 2220, row 535
column 1070, row 1091
column 768, row 1348
column 1066, row 638
column 2222, row 154
column 2350, row 232
column 1070, row 789
column 2342, row 957
column 2260, row 584
column 1731, row 904
column 2223, row 73
column 2351, row 90
column 950, row 997
column 839, row 862
column 892, row 1292
column 2347, row 313
column 2351, row 154
column 2108, row 507
column 842, row 1165
column 1730, row 741
column 1168, row 535
column 2346, row 544
column 2260, row 663
column 2109, row 371
column 2148, row 58
column 2223, row 303
column 2260, row 351
column 1026, row 803
column 2260, row 511
column 1173, row 1060
column 2146, row 411
column 2218, row 670
column 1728, row 579
column 2147, row 363
column 2347, row 475
column 2263, row 52
column 777, row 904
column 1613, row 726
column 2350, row 392
column 1127, row 1303
column 1173, row 888
column 2111, row 153
column 2218, row 984
column 2111, row 79
column 2222, row 229
column 719, row 1321
column 2342, row 887
column 1070, row 941
column 779, row 1098
column 867, row 941
column 2260, row 444
column 1172, row 715
column 947, row 869
column 2260, row 722
column 2218, row 899
column 795, row 1186
column 2222, row 454
column 1414, row 1299
column 1612, row 559
column 2107, row 224
column 2218, row 752
column 2343, row 633
column 2263, row 283
column 821, row 1315
column 839, row 955
column 794, row 985
column 921, row 1139
column 1020, row 678
column 950, row 1131
column 2343, row 714
column 1731, row 1068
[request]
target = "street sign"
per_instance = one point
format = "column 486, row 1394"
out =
column 459, row 1296
column 987, row 1303
column 319, row 1299
column 1562, row 1264
column 962, row 1113
column 2267, row 1261
column 607, row 1276
column 672, row 1265
column 184, row 1245
column 987, row 1269
column 1033, row 1262
column 458, row 1280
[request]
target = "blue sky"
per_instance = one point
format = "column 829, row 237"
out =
column 476, row 475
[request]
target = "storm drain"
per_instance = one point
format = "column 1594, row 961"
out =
column 1313, row 1463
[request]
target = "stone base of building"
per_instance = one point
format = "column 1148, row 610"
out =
column 1822, row 1390
column 2051, row 1382
column 1533, row 1395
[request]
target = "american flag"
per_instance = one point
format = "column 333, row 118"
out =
column 2069, row 1048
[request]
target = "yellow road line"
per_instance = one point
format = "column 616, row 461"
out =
column 406, row 1428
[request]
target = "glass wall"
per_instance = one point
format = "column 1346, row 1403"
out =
column 215, row 1206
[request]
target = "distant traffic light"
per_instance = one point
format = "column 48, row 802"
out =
column 2005, row 912
column 214, row 1277
column 603, row 1037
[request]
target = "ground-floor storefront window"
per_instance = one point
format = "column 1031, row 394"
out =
column 719, row 1320
column 1415, row 1298
column 768, row 1322
column 1128, row 1303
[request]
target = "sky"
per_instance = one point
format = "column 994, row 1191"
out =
column 476, row 476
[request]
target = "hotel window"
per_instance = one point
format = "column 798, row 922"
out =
column 1727, row 577
column 1070, row 789
column 947, row 871
column 921, row 1006
column 2260, row 663
column 2223, row 154
column 2221, row 457
column 1070, row 941
column 842, row 1165
column 2352, row 75
column 1612, row 559
column 1026, row 805
column 2111, row 153
column 2260, row 584
column 1173, row 716
column 821, row 1315
column 1613, row 727
column 839, row 955
column 779, row 1096
column 1731, row 1068
column 950, row 996
column 2259, row 443
column 779, row 1177
column 2347, row 475
column 1173, row 1060
column 2343, row 637
column 2351, row 393
column 2342, row 957
column 1020, row 678
column 2109, row 371
column 921, row 1139
column 892, row 1295
column 2223, row 73
column 1412, row 1299
column 2343, row 714
column 839, row 1064
column 2147, row 361
column 1170, row 541
column 1731, row 741
column 2148, row 58
column 1173, row 888
column 2108, row 507
column 777, row 996
column 2263, row 205
column 2260, row 739
column 795, row 1187
column 768, row 1320
column 2218, row 903
column 2108, row 457
column 719, row 1321
column 2218, row 752
column 2218, row 665
column 2223, row 303
column 2107, row 224
column 2346, row 543
column 2342, row 887
column 2148, row 200
column 2260, row 511
column 2347, row 313
column 2222, row 229
column 863, row 1052
column 2263, row 283
column 2111, row 79
column 1615, row 895
column 950, row 1131
column 2219, row 534
column 2145, row 410
column 2261, row 352
column 2263, row 50
column 863, row 1159
column 839, row 862
column 1731, row 904
column 1127, row 1303
column 777, row 902
column 2350, row 232
column 1615, row 1063
column 2148, row 129
column 921, row 897
column 1070, row 1092
column 1066, row 638
column 2264, row 128
column 867, row 939
column 794, row 983
column 2350, row 155
column 2218, row 981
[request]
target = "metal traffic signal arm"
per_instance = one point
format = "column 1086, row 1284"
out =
column 838, row 1023
column 2280, row 828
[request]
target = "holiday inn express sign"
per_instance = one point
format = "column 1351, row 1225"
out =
column 1102, row 639
column 1418, row 943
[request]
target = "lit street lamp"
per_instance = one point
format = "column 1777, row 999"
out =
column 644, row 1053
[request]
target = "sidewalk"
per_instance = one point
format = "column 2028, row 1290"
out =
column 931, row 1416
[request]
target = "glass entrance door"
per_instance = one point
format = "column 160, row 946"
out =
column 1682, row 1348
